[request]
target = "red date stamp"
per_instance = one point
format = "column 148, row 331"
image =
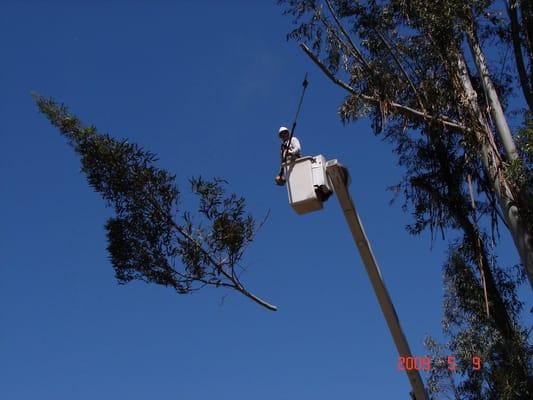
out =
column 423, row 363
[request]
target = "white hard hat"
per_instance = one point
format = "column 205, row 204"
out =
column 283, row 129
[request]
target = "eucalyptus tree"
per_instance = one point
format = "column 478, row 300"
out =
column 150, row 238
column 406, row 64
column 418, row 70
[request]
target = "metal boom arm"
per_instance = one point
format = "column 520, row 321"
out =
column 338, row 177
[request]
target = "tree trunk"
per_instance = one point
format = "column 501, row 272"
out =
column 495, row 107
column 499, row 314
column 494, row 166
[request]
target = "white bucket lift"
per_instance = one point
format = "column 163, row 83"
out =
column 308, row 185
column 310, row 181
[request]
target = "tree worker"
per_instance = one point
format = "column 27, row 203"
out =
column 288, row 151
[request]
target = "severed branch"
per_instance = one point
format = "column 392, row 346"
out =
column 401, row 109
column 219, row 265
column 140, row 238
column 236, row 284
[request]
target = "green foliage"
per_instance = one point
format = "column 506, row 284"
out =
column 371, row 67
column 520, row 171
column 525, row 143
column 505, row 362
column 441, row 380
column 147, row 238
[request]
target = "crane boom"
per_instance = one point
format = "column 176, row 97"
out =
column 338, row 176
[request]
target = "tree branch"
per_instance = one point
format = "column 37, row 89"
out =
column 404, row 72
column 401, row 109
column 237, row 285
column 218, row 265
column 358, row 53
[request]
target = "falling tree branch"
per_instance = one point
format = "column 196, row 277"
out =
column 401, row 109
column 205, row 282
column 101, row 174
column 218, row 265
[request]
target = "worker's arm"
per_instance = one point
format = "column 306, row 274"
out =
column 295, row 147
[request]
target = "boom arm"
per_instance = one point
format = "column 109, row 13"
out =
column 338, row 176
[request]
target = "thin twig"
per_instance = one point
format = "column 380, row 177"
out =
column 404, row 72
column 352, row 44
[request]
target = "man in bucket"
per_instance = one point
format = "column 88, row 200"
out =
column 288, row 151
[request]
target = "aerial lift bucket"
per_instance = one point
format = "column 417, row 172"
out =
column 308, row 185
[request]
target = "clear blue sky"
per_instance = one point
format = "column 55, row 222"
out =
column 205, row 85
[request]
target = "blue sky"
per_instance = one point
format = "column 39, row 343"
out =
column 205, row 86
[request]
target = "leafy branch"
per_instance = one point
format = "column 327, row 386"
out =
column 149, row 236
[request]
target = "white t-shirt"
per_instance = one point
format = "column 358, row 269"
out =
column 295, row 147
